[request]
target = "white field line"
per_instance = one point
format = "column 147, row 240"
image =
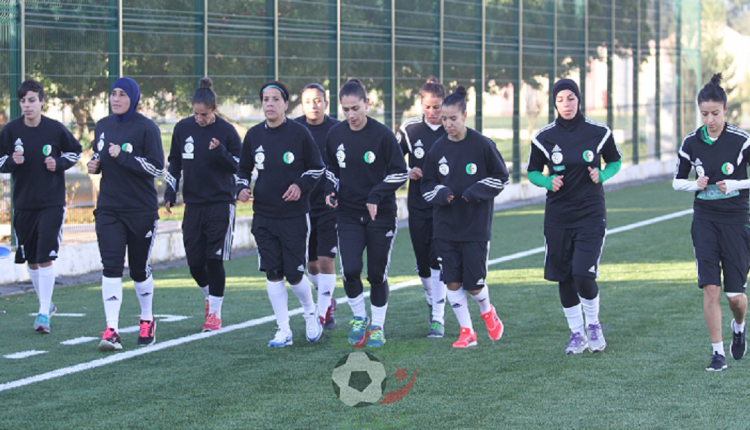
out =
column 24, row 354
column 110, row 359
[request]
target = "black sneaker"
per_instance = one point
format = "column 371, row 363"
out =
column 147, row 335
column 718, row 363
column 739, row 346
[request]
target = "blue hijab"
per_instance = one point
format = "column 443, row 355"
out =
column 134, row 93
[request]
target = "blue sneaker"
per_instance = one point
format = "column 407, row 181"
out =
column 359, row 325
column 282, row 339
column 41, row 324
column 377, row 337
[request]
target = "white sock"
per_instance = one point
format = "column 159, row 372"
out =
column 112, row 297
column 34, row 275
column 314, row 279
column 205, row 291
column 591, row 310
column 214, row 305
column 460, row 307
column 46, row 287
column 575, row 318
column 327, row 283
column 438, row 297
column 279, row 298
column 378, row 315
column 719, row 347
column 738, row 328
column 304, row 294
column 145, row 292
column 483, row 300
column 427, row 287
column 358, row 306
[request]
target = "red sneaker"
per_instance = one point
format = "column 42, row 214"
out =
column 147, row 334
column 494, row 325
column 212, row 323
column 467, row 338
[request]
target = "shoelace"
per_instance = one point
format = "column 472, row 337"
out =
column 376, row 334
column 280, row 335
column 145, row 329
column 357, row 325
column 575, row 340
column 594, row 329
column 435, row 325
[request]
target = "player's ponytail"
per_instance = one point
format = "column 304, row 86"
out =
column 205, row 94
column 713, row 92
column 432, row 86
column 353, row 87
column 458, row 98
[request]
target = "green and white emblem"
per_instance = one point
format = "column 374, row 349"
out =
column 288, row 157
column 47, row 150
column 727, row 168
column 127, row 147
column 588, row 155
column 471, row 168
column 369, row 157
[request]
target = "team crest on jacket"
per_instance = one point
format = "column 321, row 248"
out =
column 127, row 147
column 369, row 157
column 588, row 155
column 443, row 167
column 260, row 158
column 189, row 148
column 471, row 168
column 699, row 170
column 557, row 156
column 100, row 145
column 288, row 157
column 47, row 150
column 341, row 155
column 727, row 168
column 19, row 146
column 419, row 149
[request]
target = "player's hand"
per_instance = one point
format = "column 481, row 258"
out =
column 557, row 183
column 702, row 182
column 594, row 175
column 415, row 173
column 50, row 163
column 245, row 195
column 18, row 157
column 93, row 166
column 373, row 209
column 722, row 186
column 292, row 194
column 214, row 143
column 450, row 198
column 331, row 200
column 168, row 206
column 114, row 150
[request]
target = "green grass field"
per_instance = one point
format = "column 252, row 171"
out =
column 650, row 376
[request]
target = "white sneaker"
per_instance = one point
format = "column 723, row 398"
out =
column 577, row 343
column 283, row 338
column 596, row 338
column 313, row 328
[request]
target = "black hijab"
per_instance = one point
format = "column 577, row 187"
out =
column 567, row 84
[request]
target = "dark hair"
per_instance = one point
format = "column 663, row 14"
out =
column 353, row 87
column 458, row 98
column 279, row 86
column 432, row 86
column 315, row 86
column 30, row 85
column 205, row 95
column 713, row 92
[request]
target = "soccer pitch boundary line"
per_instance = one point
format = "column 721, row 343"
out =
column 81, row 367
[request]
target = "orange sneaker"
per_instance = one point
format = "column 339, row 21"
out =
column 467, row 338
column 494, row 325
column 212, row 323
